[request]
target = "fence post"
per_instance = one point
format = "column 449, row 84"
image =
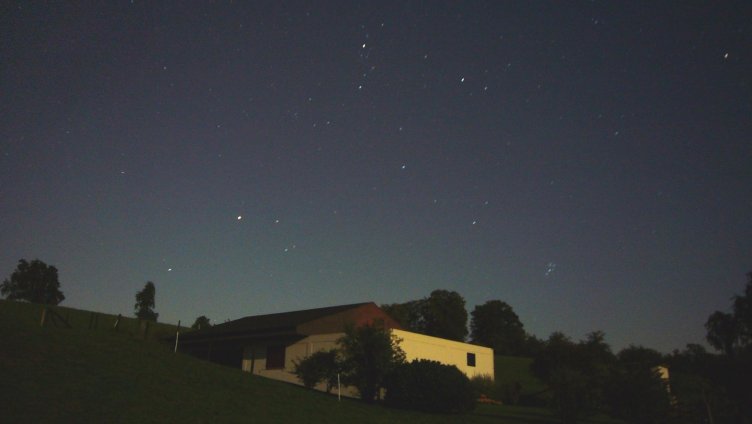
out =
column 117, row 322
column 177, row 336
column 44, row 317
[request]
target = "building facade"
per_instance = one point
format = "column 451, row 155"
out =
column 270, row 345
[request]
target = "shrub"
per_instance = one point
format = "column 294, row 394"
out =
column 319, row 366
column 429, row 386
column 483, row 385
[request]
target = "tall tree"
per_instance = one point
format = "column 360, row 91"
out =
column 34, row 282
column 731, row 333
column 494, row 324
column 577, row 373
column 409, row 314
column 369, row 354
column 723, row 332
column 445, row 316
column 201, row 322
column 145, row 303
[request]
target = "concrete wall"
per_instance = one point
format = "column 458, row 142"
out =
column 419, row 346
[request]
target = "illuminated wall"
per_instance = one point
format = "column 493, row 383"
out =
column 471, row 359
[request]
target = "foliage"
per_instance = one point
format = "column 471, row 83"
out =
column 640, row 357
column 321, row 366
column 731, row 333
column 723, row 332
column 445, row 315
column 483, row 385
column 35, row 282
column 145, row 303
column 409, row 314
column 572, row 397
column 494, row 324
column 635, row 390
column 577, row 373
column 441, row 314
column 369, row 353
column 201, row 322
column 429, row 386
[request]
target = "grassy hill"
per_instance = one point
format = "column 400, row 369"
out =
column 97, row 375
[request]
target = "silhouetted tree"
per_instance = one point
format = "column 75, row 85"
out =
column 640, row 356
column 201, row 322
column 145, row 303
column 445, row 316
column 577, row 373
column 723, row 332
column 441, row 314
column 494, row 324
column 731, row 333
column 635, row 390
column 322, row 365
column 409, row 314
column 369, row 354
column 34, row 282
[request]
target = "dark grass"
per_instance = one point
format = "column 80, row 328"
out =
column 55, row 375
column 511, row 369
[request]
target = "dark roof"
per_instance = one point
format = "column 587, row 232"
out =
column 279, row 324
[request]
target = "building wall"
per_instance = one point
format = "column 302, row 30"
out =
column 416, row 346
column 450, row 352
column 254, row 356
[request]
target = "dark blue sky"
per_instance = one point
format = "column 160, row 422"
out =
column 586, row 162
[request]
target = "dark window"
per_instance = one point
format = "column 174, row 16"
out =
column 275, row 357
column 470, row 359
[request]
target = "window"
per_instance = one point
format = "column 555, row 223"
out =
column 470, row 359
column 275, row 357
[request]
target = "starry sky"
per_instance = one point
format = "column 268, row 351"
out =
column 586, row 162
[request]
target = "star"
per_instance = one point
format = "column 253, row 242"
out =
column 240, row 217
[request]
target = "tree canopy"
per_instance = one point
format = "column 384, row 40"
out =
column 201, row 322
column 34, row 282
column 369, row 353
column 494, row 324
column 145, row 302
column 445, row 315
column 441, row 314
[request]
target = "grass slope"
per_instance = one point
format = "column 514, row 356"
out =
column 54, row 374
column 513, row 369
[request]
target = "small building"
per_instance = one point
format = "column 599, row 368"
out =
column 269, row 345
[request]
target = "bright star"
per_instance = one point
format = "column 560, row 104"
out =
column 240, row 217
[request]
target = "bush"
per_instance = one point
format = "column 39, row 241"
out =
column 572, row 396
column 429, row 386
column 319, row 366
column 484, row 385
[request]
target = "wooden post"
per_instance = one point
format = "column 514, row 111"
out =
column 117, row 322
column 44, row 317
column 177, row 336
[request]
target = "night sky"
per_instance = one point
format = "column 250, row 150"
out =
column 589, row 163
